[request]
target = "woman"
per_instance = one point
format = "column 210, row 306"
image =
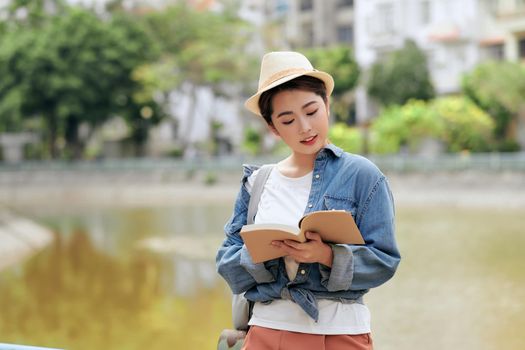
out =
column 313, row 297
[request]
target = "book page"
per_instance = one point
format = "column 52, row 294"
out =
column 335, row 226
column 258, row 239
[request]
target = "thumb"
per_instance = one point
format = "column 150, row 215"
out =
column 313, row 236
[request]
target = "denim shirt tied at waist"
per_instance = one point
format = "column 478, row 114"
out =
column 340, row 181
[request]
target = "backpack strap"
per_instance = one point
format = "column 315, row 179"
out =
column 241, row 307
column 257, row 189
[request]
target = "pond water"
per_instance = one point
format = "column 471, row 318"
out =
column 137, row 278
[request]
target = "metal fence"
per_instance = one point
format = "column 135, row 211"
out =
column 494, row 162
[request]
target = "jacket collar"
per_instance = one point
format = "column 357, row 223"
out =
column 336, row 151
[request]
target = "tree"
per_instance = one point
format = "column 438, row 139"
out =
column 73, row 69
column 339, row 62
column 498, row 88
column 32, row 13
column 455, row 121
column 142, row 109
column 14, row 58
column 402, row 76
column 201, row 48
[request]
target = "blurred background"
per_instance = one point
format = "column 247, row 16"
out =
column 122, row 134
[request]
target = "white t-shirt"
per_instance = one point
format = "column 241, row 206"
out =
column 283, row 201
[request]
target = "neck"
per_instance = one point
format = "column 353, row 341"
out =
column 297, row 164
column 303, row 161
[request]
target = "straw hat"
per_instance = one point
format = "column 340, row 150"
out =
column 282, row 66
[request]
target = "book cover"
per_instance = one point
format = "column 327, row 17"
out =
column 334, row 226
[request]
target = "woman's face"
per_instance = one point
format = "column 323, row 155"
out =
column 300, row 118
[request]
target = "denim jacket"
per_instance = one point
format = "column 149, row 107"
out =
column 340, row 181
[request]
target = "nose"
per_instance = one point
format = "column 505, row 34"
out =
column 304, row 125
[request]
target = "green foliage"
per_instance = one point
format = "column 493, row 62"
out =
column 402, row 76
column 36, row 11
column 455, row 121
column 508, row 146
column 15, row 58
column 404, row 125
column 466, row 126
column 71, row 68
column 203, row 47
column 339, row 62
column 210, row 178
column 252, row 141
column 200, row 48
column 74, row 68
column 348, row 138
column 498, row 88
column 176, row 152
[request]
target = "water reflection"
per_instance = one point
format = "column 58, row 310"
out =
column 99, row 287
column 145, row 278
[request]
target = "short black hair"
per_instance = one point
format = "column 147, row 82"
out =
column 304, row 82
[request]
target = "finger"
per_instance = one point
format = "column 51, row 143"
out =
column 292, row 244
column 277, row 243
column 284, row 248
column 285, row 245
column 313, row 236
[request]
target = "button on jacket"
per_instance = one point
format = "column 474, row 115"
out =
column 340, row 181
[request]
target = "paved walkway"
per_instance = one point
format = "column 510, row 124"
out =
column 468, row 188
column 20, row 238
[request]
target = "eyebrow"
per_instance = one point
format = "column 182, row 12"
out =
column 290, row 112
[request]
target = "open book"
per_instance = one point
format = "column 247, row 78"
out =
column 334, row 226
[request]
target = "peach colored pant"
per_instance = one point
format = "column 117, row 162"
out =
column 260, row 338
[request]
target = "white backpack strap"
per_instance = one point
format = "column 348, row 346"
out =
column 257, row 189
column 242, row 308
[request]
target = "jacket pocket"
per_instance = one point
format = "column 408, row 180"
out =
column 337, row 203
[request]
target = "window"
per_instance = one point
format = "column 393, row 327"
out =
column 493, row 6
column 425, row 11
column 385, row 18
column 306, row 5
column 281, row 7
column 521, row 48
column 308, row 34
column 494, row 52
column 345, row 34
column 345, row 3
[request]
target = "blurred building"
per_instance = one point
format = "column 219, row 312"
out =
column 313, row 23
column 455, row 35
column 198, row 115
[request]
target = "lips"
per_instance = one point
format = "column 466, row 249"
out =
column 309, row 141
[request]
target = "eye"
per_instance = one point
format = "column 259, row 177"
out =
column 288, row 122
column 312, row 113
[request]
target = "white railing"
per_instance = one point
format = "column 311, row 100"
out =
column 402, row 163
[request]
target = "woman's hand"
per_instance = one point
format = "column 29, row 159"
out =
column 313, row 250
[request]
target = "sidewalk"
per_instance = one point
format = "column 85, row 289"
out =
column 489, row 180
column 466, row 189
column 20, row 238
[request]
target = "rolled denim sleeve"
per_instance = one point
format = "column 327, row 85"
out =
column 375, row 262
column 233, row 261
column 258, row 271
column 361, row 267
column 235, row 265
column 339, row 276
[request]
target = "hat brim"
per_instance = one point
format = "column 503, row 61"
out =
column 252, row 103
